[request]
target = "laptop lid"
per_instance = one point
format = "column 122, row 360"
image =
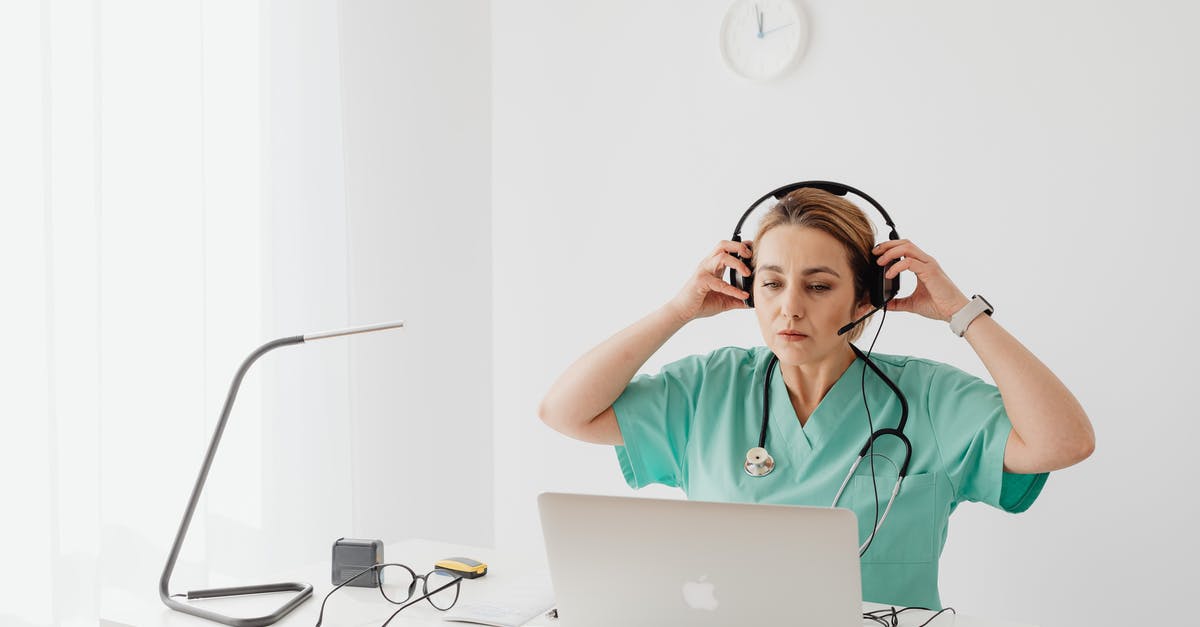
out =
column 638, row 561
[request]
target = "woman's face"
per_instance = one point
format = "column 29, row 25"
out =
column 803, row 293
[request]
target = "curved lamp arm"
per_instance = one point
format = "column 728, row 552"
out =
column 303, row 590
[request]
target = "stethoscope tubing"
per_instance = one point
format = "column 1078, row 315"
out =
column 895, row 490
column 765, row 464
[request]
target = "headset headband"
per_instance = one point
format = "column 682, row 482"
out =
column 837, row 189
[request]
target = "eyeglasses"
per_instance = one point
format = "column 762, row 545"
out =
column 397, row 583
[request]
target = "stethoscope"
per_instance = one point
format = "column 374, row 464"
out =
column 759, row 462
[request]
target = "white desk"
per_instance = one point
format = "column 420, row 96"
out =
column 363, row 607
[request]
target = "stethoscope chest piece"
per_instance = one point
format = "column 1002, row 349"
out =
column 758, row 462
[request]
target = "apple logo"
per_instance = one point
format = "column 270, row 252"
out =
column 700, row 595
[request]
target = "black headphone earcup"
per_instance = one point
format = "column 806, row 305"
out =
column 745, row 284
column 748, row 287
column 881, row 289
column 891, row 287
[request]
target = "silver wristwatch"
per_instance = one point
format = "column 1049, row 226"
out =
column 961, row 320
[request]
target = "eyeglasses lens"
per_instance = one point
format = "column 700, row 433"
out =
column 445, row 599
column 396, row 583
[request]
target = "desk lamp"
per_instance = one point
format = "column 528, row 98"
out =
column 303, row 590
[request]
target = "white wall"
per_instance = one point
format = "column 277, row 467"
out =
column 1044, row 153
column 307, row 419
column 417, row 121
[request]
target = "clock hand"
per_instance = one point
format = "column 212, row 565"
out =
column 758, row 14
column 775, row 29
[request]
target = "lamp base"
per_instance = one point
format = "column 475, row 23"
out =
column 303, row 590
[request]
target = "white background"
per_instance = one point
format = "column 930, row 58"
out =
column 518, row 181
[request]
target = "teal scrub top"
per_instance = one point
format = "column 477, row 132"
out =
column 690, row 425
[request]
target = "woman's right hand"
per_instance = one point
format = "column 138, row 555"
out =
column 707, row 293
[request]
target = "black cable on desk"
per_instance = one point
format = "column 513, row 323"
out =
column 891, row 617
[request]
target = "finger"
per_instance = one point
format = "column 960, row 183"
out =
column 882, row 247
column 900, row 304
column 731, row 302
column 716, row 263
column 887, row 247
column 722, row 286
column 887, row 251
column 740, row 265
column 730, row 246
column 722, row 260
column 715, row 284
column 901, row 266
column 741, row 249
column 905, row 249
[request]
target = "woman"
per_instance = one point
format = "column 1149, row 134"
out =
column 691, row 425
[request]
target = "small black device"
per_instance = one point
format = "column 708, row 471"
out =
column 351, row 557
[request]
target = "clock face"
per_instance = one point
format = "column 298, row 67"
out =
column 761, row 39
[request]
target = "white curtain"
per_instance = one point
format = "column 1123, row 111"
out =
column 144, row 255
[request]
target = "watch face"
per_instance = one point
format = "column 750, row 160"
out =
column 761, row 39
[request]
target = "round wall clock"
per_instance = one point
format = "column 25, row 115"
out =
column 763, row 39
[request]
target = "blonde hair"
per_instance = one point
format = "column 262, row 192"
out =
column 843, row 220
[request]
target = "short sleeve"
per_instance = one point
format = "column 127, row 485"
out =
column 655, row 414
column 972, row 429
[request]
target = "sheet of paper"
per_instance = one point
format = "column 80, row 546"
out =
column 508, row 604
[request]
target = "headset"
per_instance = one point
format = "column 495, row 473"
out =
column 881, row 289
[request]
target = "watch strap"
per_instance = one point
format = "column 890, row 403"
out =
column 965, row 316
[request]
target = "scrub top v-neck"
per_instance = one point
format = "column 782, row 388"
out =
column 690, row 425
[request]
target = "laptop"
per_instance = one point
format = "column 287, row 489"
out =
column 639, row 561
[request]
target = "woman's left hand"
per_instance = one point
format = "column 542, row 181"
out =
column 936, row 295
